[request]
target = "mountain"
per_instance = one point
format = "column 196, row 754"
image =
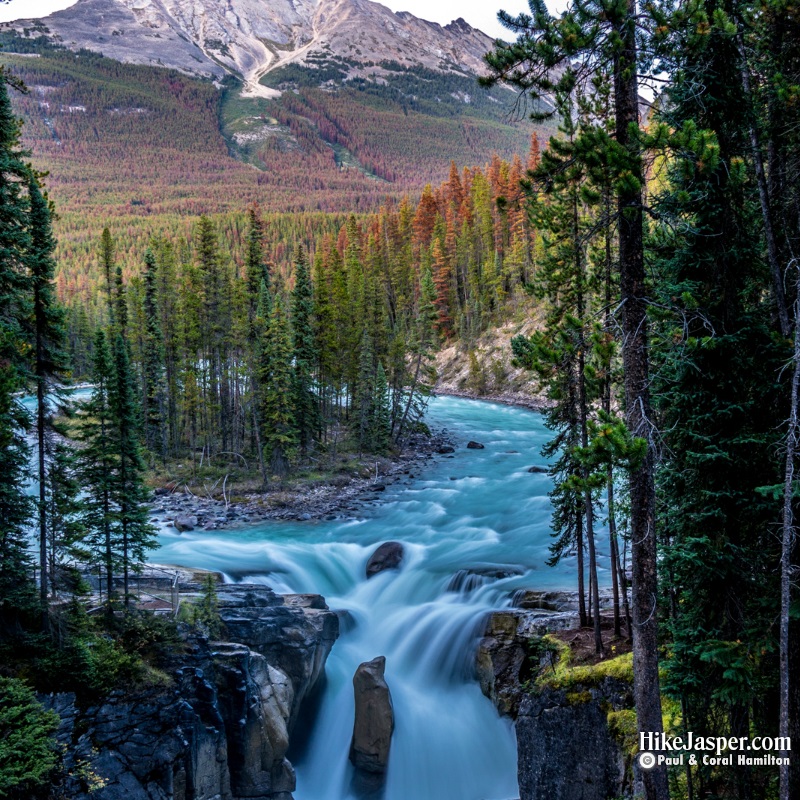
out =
column 311, row 109
column 250, row 38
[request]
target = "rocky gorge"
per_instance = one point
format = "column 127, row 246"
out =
column 222, row 726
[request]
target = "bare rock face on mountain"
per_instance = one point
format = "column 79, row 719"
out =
column 252, row 37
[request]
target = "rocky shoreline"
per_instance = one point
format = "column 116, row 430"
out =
column 340, row 498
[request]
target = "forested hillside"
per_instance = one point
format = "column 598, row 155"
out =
column 146, row 150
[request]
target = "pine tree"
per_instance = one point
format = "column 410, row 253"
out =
column 49, row 368
column 16, row 598
column 548, row 54
column 306, row 410
column 276, row 379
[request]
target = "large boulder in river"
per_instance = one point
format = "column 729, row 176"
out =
column 388, row 556
column 474, row 446
column 374, row 719
column 185, row 522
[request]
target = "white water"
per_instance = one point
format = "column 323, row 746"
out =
column 449, row 742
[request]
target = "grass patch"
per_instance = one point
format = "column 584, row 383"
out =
column 560, row 673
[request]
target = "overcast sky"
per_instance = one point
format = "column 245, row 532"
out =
column 479, row 13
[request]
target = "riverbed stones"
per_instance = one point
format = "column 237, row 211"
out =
column 388, row 556
column 475, row 446
column 537, row 469
column 374, row 718
column 446, row 450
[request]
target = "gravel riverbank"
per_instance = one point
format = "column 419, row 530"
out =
column 343, row 496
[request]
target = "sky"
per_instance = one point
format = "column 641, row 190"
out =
column 479, row 13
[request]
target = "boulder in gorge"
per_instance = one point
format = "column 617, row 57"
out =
column 374, row 718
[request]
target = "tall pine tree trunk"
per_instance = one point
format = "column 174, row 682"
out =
column 787, row 545
column 583, row 410
column 617, row 574
column 41, row 422
column 583, row 616
column 763, row 195
column 635, row 357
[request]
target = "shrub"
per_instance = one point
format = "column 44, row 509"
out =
column 27, row 750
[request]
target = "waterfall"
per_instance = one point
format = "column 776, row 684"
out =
column 475, row 528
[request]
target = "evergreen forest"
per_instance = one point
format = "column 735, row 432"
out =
column 244, row 341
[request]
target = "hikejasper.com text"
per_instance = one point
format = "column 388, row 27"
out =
column 658, row 748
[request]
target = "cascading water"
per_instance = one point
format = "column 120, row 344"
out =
column 479, row 511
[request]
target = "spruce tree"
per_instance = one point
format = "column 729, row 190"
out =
column 98, row 460
column 64, row 513
column 276, row 379
column 256, row 269
column 720, row 395
column 108, row 265
column 417, row 382
column 154, row 405
column 135, row 534
column 364, row 395
column 380, row 433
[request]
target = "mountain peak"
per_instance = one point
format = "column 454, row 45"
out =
column 251, row 38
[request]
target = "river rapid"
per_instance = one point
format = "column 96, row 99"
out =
column 475, row 510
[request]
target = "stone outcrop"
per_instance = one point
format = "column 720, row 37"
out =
column 293, row 632
column 388, row 556
column 221, row 729
column 374, row 718
column 508, row 644
column 185, row 522
column 565, row 750
column 567, row 746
